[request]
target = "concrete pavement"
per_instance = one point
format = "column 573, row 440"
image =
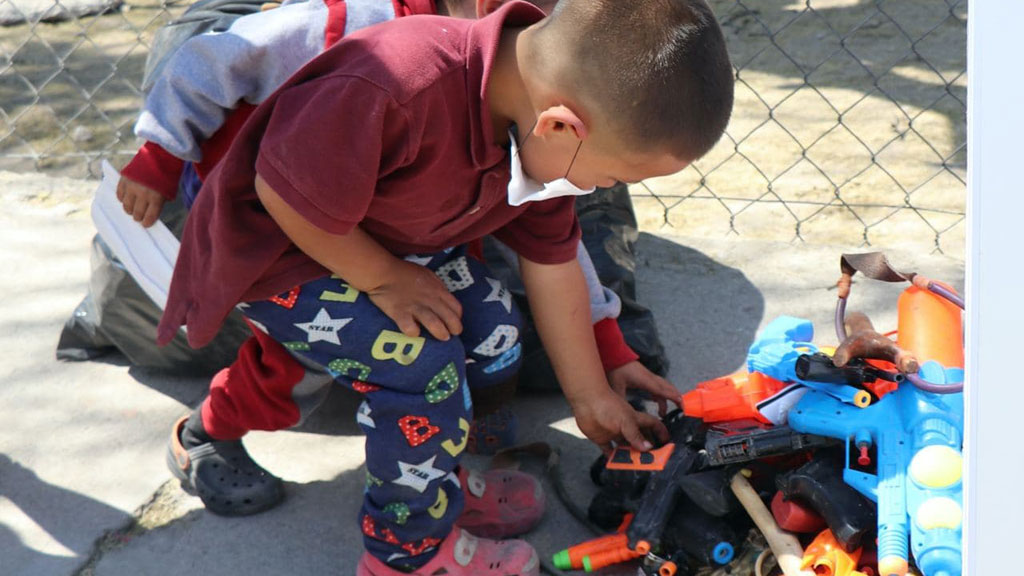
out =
column 83, row 488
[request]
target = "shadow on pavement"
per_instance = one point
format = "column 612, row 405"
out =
column 49, row 507
column 707, row 313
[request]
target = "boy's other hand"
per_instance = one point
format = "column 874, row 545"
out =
column 636, row 376
column 607, row 417
column 140, row 202
column 414, row 296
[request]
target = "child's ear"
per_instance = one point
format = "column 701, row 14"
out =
column 485, row 7
column 559, row 119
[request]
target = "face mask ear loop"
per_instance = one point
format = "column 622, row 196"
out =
column 573, row 161
column 519, row 149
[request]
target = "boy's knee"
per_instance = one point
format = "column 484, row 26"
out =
column 435, row 368
column 393, row 345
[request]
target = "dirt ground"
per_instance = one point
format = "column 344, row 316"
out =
column 849, row 125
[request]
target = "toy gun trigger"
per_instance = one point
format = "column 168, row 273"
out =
column 857, row 372
column 818, row 367
column 872, row 372
column 625, row 458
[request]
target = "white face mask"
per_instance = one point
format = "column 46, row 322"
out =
column 523, row 189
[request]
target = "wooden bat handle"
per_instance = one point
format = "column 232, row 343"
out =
column 784, row 545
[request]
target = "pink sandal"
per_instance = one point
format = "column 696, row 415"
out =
column 462, row 554
column 500, row 503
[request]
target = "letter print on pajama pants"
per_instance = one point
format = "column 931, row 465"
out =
column 417, row 408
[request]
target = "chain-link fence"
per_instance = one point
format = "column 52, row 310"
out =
column 69, row 84
column 849, row 125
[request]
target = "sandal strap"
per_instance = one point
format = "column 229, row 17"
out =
column 465, row 548
column 475, row 483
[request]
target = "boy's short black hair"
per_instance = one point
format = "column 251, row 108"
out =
column 656, row 70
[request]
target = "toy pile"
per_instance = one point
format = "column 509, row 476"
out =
column 857, row 451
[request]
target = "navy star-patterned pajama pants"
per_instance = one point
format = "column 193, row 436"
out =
column 417, row 408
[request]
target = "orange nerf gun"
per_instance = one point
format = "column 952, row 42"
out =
column 826, row 557
column 733, row 397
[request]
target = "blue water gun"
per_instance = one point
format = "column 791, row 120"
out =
column 916, row 432
column 785, row 352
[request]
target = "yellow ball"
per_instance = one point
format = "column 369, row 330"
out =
column 939, row 513
column 937, row 466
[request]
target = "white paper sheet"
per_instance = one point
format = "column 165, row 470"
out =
column 147, row 253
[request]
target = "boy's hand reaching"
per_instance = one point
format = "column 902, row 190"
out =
column 141, row 202
column 636, row 376
column 607, row 417
column 414, row 296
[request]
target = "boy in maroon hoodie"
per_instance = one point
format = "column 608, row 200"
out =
column 339, row 216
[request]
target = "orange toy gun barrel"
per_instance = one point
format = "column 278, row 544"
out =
column 608, row 557
column 733, row 397
column 572, row 558
column 825, row 556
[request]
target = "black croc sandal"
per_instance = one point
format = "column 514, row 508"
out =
column 223, row 475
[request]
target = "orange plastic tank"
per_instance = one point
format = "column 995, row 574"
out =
column 931, row 327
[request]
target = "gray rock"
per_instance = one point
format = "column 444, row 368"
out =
column 13, row 12
column 81, row 134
